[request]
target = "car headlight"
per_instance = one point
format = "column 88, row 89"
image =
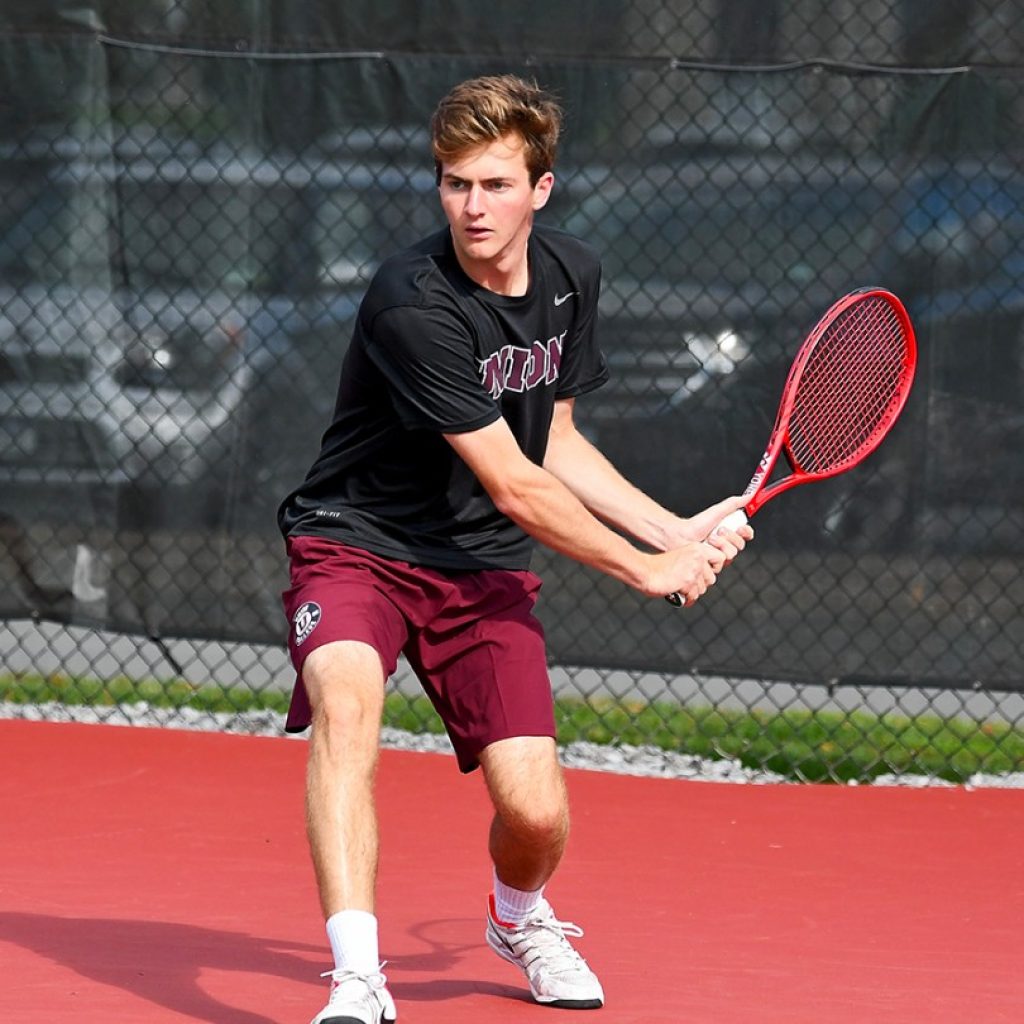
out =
column 710, row 356
column 719, row 353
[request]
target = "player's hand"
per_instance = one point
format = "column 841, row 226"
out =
column 703, row 524
column 730, row 541
column 688, row 570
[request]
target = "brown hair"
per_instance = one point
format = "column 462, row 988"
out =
column 481, row 110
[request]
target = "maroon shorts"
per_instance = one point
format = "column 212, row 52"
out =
column 470, row 637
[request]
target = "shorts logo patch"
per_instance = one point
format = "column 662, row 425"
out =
column 305, row 621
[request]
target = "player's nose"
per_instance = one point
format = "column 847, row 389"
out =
column 474, row 200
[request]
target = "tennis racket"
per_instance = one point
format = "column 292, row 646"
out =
column 845, row 390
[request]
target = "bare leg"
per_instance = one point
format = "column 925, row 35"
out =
column 528, row 836
column 345, row 683
column 531, row 809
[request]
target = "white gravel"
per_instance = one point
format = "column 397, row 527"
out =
column 623, row 760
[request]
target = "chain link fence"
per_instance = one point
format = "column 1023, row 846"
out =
column 195, row 196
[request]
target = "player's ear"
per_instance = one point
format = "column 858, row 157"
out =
column 542, row 190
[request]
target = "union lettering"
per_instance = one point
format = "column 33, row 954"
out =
column 516, row 368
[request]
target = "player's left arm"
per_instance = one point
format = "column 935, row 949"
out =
column 605, row 492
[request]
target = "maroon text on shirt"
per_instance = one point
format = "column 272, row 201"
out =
column 515, row 368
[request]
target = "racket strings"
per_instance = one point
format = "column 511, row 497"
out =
column 849, row 388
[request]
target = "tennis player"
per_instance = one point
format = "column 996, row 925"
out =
column 451, row 452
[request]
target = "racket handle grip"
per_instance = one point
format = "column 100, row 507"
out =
column 733, row 521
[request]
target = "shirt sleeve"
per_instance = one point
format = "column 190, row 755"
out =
column 426, row 356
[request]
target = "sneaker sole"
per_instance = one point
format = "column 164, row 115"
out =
column 355, row 1020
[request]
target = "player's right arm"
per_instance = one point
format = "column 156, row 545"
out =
column 547, row 510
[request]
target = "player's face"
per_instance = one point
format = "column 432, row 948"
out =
column 489, row 202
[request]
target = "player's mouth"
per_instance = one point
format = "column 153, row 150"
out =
column 477, row 234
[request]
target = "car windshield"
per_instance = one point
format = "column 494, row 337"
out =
column 185, row 234
column 50, row 234
column 353, row 231
column 743, row 235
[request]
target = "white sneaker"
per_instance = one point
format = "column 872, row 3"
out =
column 357, row 999
column 557, row 974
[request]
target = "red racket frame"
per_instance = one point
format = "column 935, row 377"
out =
column 759, row 490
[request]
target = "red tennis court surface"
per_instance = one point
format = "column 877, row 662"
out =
column 157, row 877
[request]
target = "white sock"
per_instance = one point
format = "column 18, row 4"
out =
column 353, row 938
column 514, row 906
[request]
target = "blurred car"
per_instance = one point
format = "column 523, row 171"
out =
column 713, row 273
column 172, row 321
column 949, row 477
column 953, row 477
column 710, row 287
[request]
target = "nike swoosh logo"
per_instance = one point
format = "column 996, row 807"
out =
column 559, row 299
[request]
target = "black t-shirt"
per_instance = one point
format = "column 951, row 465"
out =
column 434, row 353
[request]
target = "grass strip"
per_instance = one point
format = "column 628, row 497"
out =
column 802, row 745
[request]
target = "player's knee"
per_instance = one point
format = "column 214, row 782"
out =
column 339, row 709
column 346, row 716
column 543, row 823
column 345, row 695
